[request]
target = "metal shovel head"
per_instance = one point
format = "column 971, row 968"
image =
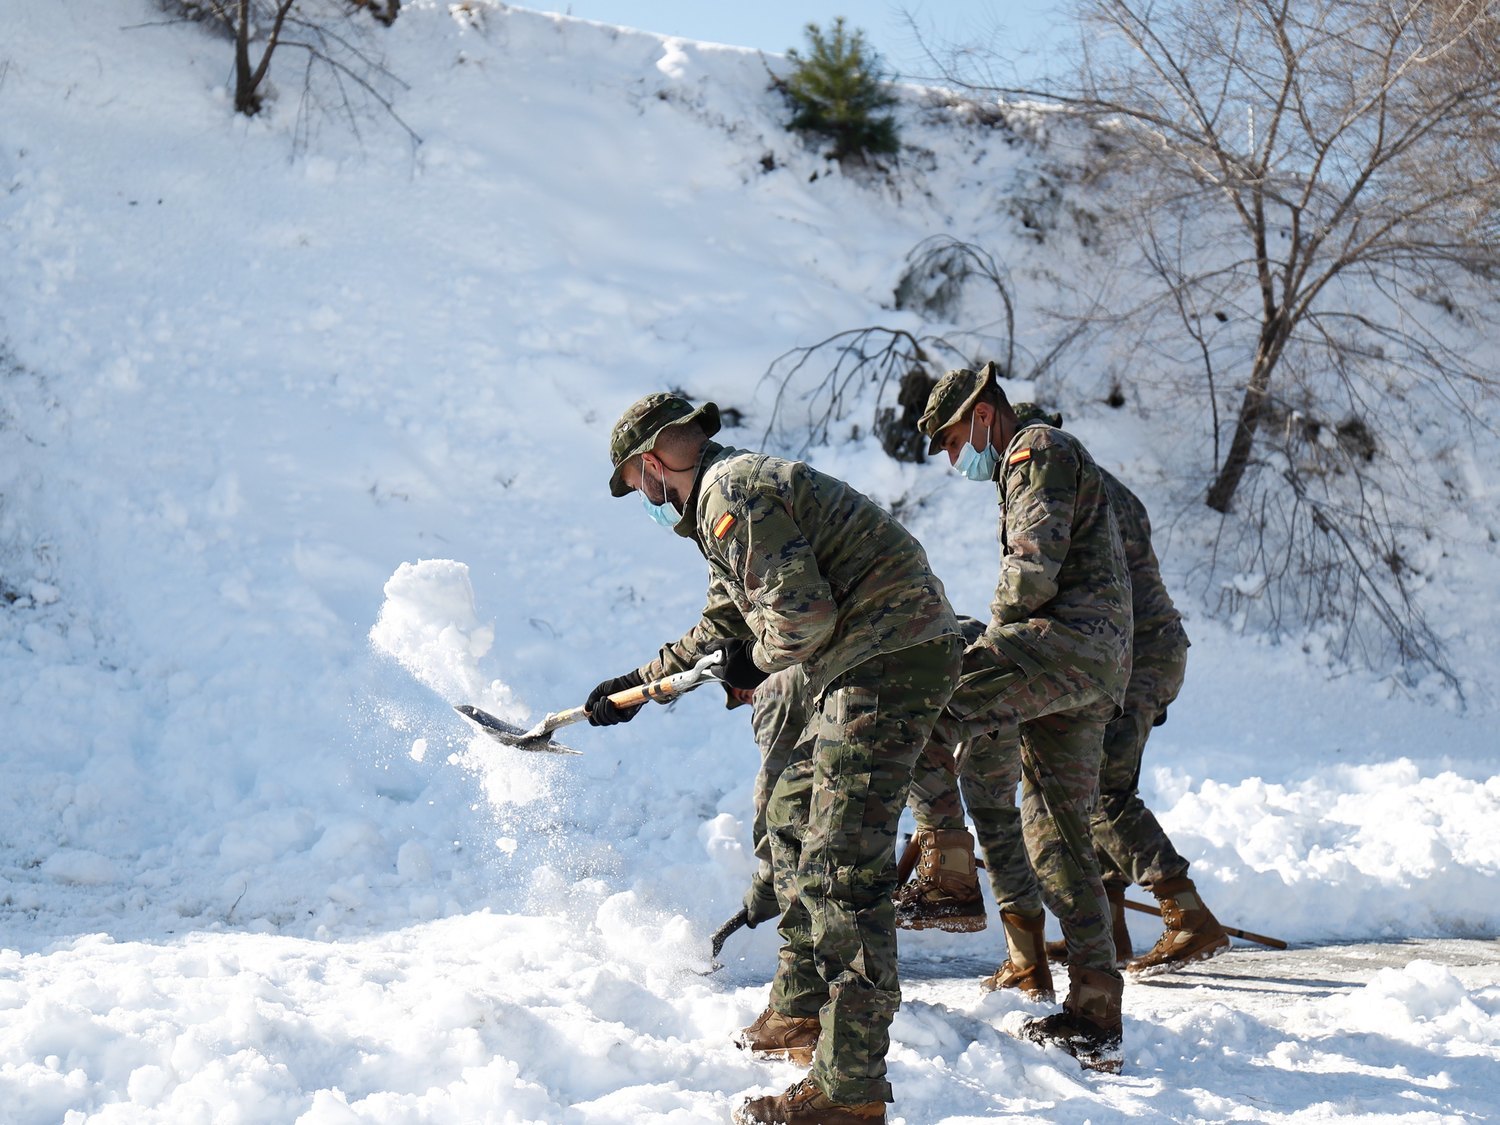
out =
column 511, row 735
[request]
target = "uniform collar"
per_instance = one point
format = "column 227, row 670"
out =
column 687, row 524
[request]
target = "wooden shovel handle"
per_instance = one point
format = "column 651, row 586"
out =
column 668, row 687
column 908, row 861
column 660, row 690
column 1260, row 939
column 630, row 697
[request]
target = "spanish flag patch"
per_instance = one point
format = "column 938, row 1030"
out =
column 723, row 524
column 1018, row 456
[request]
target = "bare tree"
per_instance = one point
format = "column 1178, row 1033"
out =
column 1351, row 144
column 939, row 271
column 827, row 377
column 247, row 78
column 1311, row 192
column 323, row 31
column 830, row 376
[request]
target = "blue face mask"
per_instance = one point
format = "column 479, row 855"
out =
column 665, row 513
column 974, row 464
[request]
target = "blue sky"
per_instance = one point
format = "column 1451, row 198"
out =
column 1020, row 28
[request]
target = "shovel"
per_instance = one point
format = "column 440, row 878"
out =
column 539, row 737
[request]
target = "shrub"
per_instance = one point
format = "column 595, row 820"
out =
column 838, row 90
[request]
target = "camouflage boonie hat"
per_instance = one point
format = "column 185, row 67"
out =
column 954, row 394
column 638, row 426
column 1028, row 412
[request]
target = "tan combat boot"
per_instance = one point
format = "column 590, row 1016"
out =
column 1089, row 1027
column 945, row 894
column 1026, row 969
column 1115, row 893
column 806, row 1104
column 777, row 1036
column 1192, row 933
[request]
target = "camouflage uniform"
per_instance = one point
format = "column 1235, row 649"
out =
column 867, row 729
column 934, row 798
column 1131, row 844
column 779, row 716
column 820, row 576
column 1053, row 661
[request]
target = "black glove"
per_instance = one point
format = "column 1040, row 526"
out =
column 760, row 903
column 738, row 670
column 603, row 713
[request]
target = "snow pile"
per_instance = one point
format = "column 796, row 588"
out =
column 429, row 625
column 1422, row 1004
column 1375, row 850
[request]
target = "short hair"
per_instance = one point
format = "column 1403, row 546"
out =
column 994, row 394
column 680, row 441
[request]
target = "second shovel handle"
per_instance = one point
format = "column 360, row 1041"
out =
column 1260, row 939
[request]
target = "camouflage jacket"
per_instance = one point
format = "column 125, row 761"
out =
column 1158, row 625
column 815, row 572
column 1063, row 599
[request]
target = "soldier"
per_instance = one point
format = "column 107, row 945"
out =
column 804, row 570
column 1054, row 661
column 1128, row 841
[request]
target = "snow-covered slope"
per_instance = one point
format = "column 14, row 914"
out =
column 262, row 385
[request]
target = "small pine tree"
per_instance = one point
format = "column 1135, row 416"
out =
column 837, row 90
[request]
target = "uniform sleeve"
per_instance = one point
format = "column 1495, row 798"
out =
column 793, row 613
column 720, row 618
column 1134, row 523
column 1041, row 493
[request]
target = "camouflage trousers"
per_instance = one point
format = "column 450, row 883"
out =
column 1131, row 844
column 1045, row 729
column 778, row 718
column 831, row 820
column 934, row 798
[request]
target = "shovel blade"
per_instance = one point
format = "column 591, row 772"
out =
column 509, row 734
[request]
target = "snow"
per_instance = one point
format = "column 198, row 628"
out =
column 302, row 441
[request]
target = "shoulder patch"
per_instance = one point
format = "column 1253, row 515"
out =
column 1019, row 456
column 723, row 524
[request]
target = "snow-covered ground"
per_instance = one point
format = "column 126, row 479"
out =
column 303, row 439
